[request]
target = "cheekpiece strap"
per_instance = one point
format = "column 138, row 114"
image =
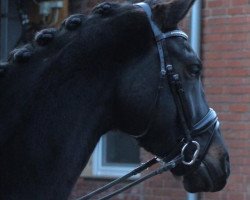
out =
column 147, row 10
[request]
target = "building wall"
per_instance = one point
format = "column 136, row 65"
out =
column 226, row 59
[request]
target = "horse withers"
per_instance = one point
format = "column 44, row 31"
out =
column 103, row 72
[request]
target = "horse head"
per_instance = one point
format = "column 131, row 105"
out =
column 153, row 116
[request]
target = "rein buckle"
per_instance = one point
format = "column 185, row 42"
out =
column 195, row 155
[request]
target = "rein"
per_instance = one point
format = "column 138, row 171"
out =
column 165, row 167
column 179, row 155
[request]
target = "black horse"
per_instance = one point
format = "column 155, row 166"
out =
column 97, row 73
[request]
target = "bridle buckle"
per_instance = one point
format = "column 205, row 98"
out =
column 195, row 155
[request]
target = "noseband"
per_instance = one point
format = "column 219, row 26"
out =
column 207, row 124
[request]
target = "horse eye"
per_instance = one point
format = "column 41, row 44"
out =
column 194, row 70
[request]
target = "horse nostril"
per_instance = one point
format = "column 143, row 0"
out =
column 227, row 158
column 227, row 166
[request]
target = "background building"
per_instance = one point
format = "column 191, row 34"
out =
column 225, row 52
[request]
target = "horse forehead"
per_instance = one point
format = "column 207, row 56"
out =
column 181, row 50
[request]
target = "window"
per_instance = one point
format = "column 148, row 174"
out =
column 115, row 155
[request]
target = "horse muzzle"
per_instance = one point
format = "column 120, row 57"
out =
column 207, row 178
column 211, row 169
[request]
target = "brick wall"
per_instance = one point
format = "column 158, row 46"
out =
column 226, row 59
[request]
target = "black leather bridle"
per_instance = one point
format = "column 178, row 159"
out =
column 208, row 124
column 209, row 121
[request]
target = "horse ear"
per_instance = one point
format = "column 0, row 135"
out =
column 168, row 14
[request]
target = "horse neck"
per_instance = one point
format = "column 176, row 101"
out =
column 52, row 134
